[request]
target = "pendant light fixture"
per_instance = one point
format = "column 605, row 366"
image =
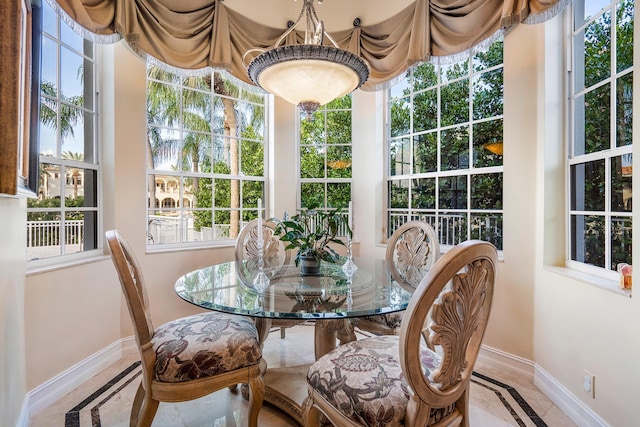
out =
column 311, row 74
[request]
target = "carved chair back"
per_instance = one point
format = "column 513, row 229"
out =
column 275, row 256
column 448, row 313
column 411, row 251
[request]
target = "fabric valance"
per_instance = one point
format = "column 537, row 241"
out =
column 202, row 34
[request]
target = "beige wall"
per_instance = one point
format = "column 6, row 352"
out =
column 13, row 229
column 561, row 324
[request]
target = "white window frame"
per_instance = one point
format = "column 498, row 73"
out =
column 606, row 155
column 152, row 243
column 423, row 214
column 68, row 164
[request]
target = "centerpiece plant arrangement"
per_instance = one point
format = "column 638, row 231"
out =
column 310, row 232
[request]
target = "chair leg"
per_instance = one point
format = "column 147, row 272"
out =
column 310, row 413
column 463, row 407
column 135, row 408
column 143, row 410
column 256, row 397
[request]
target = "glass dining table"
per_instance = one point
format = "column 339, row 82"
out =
column 329, row 298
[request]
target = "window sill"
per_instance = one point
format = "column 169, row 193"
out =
column 599, row 282
column 48, row 265
column 194, row 246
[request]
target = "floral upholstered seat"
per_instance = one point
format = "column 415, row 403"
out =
column 204, row 345
column 420, row 377
column 364, row 380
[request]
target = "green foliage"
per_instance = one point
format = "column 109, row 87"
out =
column 54, row 202
column 310, row 232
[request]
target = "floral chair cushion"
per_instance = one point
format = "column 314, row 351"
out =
column 363, row 379
column 204, row 345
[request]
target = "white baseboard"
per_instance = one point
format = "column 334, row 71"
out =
column 49, row 392
column 574, row 408
column 502, row 360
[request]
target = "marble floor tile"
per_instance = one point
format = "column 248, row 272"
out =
column 498, row 398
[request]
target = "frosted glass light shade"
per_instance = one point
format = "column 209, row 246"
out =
column 308, row 75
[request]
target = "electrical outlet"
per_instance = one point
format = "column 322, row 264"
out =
column 589, row 382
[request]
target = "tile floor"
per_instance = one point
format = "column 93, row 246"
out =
column 498, row 398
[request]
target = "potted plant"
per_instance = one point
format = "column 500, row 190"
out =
column 310, row 231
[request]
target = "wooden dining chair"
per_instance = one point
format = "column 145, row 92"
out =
column 411, row 251
column 186, row 358
column 421, row 377
column 276, row 259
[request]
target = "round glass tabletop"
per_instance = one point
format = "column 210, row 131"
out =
column 228, row 287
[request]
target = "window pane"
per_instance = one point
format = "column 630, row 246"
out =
column 424, row 76
column 203, row 199
column 452, row 227
column 311, row 162
column 452, row 192
column 77, row 132
column 162, row 104
column 597, row 50
column 624, row 34
column 252, row 158
column 588, row 239
column 596, row 125
column 423, row 193
column 454, row 149
column 48, row 144
column 425, row 111
column 399, row 88
column 339, row 127
column 621, row 180
column 425, row 153
column 71, row 82
column 399, row 157
column 588, row 184
column 395, row 220
column 49, row 21
column 486, row 191
column 449, row 72
column 338, row 194
column 49, row 76
column 454, row 103
column 487, row 144
column 312, row 132
column 339, row 161
column 70, row 37
column 251, row 192
column 487, row 227
column 621, row 241
column 624, row 110
column 196, row 110
column 398, row 194
column 165, row 146
column 488, row 94
column 400, row 117
column 312, row 195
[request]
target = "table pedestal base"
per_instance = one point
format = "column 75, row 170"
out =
column 286, row 387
